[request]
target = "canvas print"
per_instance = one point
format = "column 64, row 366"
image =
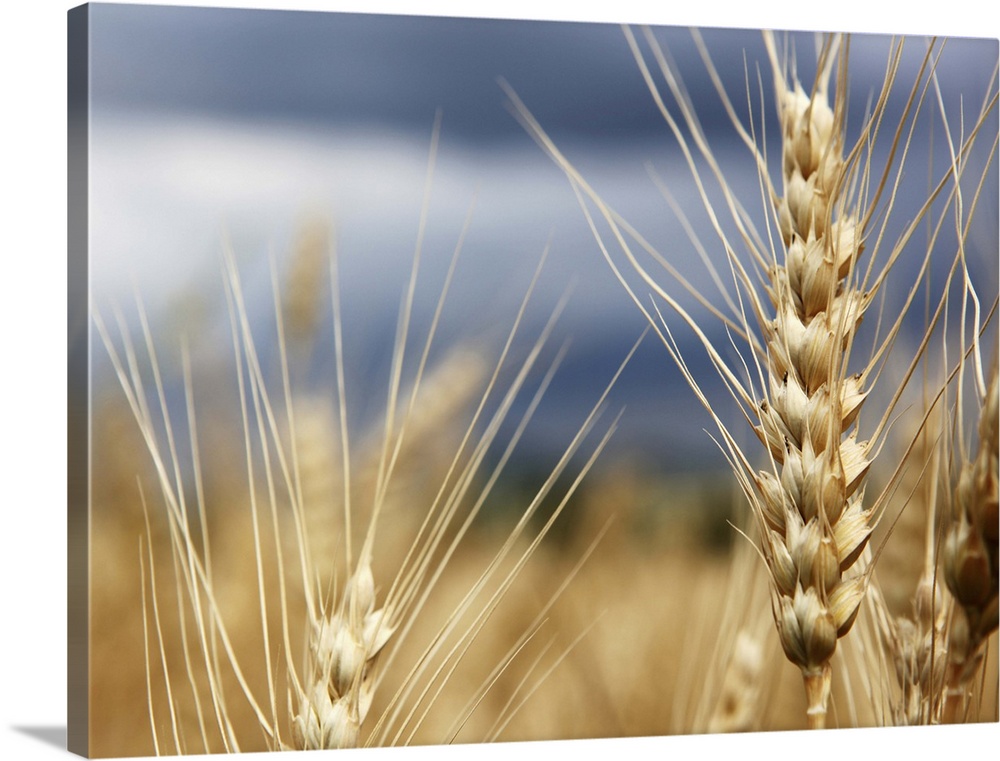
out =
column 462, row 380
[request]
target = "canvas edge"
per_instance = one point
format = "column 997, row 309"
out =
column 78, row 386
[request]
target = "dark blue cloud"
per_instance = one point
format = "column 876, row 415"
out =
column 579, row 78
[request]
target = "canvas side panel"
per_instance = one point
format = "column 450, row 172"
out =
column 78, row 382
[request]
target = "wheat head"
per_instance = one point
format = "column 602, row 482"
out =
column 804, row 273
column 330, row 638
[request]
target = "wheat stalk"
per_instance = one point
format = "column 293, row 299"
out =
column 353, row 631
column 821, row 260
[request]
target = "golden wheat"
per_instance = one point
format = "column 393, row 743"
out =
column 805, row 273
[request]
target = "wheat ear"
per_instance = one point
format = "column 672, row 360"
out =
column 794, row 387
column 915, row 642
column 343, row 648
column 816, row 524
column 970, row 559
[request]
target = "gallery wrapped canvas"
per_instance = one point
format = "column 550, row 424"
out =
column 447, row 380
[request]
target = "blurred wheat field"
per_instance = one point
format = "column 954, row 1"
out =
column 650, row 580
column 647, row 606
column 651, row 602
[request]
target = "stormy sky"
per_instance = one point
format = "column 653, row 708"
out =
column 213, row 125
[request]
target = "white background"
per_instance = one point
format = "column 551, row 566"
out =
column 33, row 391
